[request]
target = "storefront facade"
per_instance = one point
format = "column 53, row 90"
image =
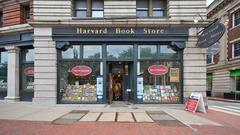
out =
column 125, row 61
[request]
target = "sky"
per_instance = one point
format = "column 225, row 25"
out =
column 209, row 2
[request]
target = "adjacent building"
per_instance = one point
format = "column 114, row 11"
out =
column 223, row 69
column 98, row 51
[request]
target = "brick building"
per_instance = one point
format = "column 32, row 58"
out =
column 223, row 69
column 97, row 51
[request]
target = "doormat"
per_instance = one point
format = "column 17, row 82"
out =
column 70, row 117
column 164, row 119
column 119, row 104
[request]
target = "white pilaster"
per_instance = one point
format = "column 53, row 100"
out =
column 45, row 67
column 13, row 74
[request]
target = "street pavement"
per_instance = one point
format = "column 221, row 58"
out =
column 26, row 119
column 228, row 106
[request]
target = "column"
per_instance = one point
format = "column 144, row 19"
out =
column 194, row 63
column 45, row 67
column 13, row 74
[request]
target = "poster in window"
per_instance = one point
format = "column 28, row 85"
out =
column 174, row 74
column 99, row 86
column 140, row 86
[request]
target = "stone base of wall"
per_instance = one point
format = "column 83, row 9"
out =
column 45, row 101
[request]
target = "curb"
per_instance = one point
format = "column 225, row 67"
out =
column 224, row 100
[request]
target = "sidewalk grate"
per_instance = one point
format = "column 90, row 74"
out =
column 70, row 117
column 164, row 119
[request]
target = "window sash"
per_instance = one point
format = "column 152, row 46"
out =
column 236, row 49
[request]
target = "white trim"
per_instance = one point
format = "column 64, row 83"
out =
column 233, row 18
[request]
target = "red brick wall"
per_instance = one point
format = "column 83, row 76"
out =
column 12, row 14
column 216, row 58
column 31, row 10
column 233, row 33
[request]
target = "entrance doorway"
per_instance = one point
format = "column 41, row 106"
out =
column 120, row 81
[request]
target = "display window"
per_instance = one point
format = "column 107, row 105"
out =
column 79, row 75
column 159, row 72
column 160, row 87
column 3, row 73
column 27, row 74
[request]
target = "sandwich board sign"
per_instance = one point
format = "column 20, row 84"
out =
column 195, row 103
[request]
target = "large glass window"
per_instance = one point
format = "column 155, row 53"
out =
column 79, row 74
column 92, row 52
column 163, row 88
column 74, row 88
column 158, row 8
column 71, row 52
column 236, row 18
column 147, row 51
column 142, row 8
column 168, row 52
column 3, row 74
column 119, row 51
column 97, row 8
column 27, row 74
column 81, row 8
column 236, row 49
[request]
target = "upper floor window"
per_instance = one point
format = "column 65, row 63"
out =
column 97, row 8
column 88, row 8
column 236, row 18
column 26, row 13
column 152, row 8
column 81, row 8
column 209, row 59
column 142, row 8
column 236, row 49
column 1, row 19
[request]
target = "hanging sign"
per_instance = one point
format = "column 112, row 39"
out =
column 29, row 71
column 195, row 103
column 81, row 70
column 174, row 74
column 158, row 70
column 211, row 35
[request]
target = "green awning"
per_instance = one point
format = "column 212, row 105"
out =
column 235, row 73
column 209, row 76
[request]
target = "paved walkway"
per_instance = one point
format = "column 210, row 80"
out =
column 25, row 119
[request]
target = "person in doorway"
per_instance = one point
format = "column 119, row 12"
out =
column 116, row 89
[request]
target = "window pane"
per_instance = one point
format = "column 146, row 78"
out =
column 97, row 13
column 78, row 88
column 158, row 13
column 236, row 49
column 142, row 3
column 168, row 52
column 158, row 4
column 120, row 52
column 81, row 14
column 147, row 51
column 71, row 52
column 27, row 77
column 4, row 57
column 97, row 4
column 142, row 13
column 28, row 55
column 162, row 88
column 80, row 4
column 209, row 59
column 92, row 52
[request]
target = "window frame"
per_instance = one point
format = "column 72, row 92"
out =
column 26, row 13
column 234, row 19
column 233, row 49
column 1, row 19
column 212, row 59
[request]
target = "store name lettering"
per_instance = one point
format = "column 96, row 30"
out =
column 119, row 30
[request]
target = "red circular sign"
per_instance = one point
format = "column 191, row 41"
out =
column 158, row 70
column 29, row 71
column 81, row 70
